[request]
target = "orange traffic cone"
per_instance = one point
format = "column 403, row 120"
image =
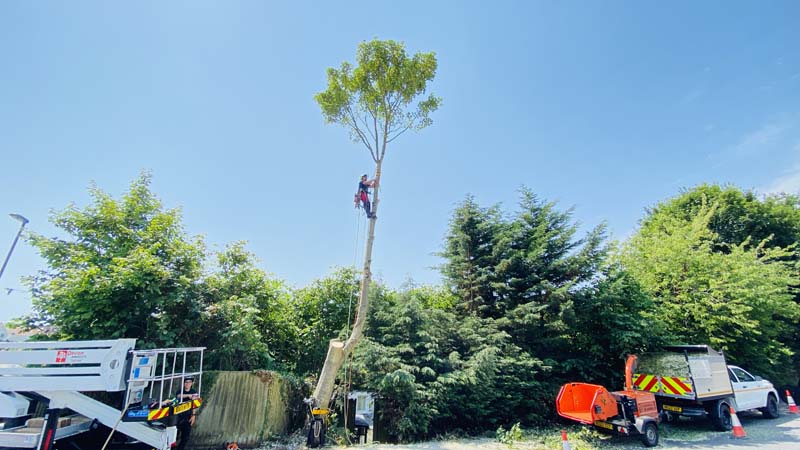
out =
column 792, row 404
column 738, row 429
column 564, row 441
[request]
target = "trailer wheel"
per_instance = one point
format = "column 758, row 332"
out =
column 771, row 410
column 650, row 434
column 721, row 415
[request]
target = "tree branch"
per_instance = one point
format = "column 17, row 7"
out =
column 385, row 134
column 359, row 132
column 372, row 152
column 408, row 127
column 375, row 124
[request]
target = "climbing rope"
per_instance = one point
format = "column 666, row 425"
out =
column 359, row 243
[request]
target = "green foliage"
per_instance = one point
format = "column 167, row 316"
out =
column 375, row 99
column 612, row 318
column 510, row 436
column 127, row 269
column 248, row 315
column 526, row 271
column 321, row 311
column 734, row 296
column 540, row 266
column 739, row 215
column 469, row 252
column 435, row 372
column 742, row 217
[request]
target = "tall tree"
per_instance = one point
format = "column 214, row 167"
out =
column 126, row 269
column 469, row 251
column 541, row 265
column 738, row 300
column 377, row 101
column 740, row 217
column 524, row 270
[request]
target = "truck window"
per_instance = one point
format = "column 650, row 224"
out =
column 732, row 376
column 742, row 375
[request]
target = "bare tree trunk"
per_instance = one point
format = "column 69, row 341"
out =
column 338, row 350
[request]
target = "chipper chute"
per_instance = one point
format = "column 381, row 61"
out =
column 585, row 403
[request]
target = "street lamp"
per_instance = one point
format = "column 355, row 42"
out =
column 23, row 221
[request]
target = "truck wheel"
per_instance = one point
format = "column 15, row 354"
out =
column 721, row 416
column 771, row 410
column 650, row 434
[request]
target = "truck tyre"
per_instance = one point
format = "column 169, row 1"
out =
column 650, row 434
column 771, row 410
column 721, row 415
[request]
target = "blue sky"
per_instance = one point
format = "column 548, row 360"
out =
column 609, row 107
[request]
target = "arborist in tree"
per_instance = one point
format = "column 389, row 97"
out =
column 362, row 195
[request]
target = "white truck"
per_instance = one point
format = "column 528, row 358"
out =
column 57, row 374
column 696, row 381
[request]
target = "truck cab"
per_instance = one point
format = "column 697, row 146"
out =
column 753, row 392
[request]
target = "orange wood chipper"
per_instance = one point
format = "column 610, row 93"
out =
column 626, row 413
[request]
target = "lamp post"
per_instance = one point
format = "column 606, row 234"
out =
column 23, row 221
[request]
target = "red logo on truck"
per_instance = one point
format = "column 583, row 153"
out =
column 61, row 356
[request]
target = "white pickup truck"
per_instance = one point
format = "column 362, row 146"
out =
column 695, row 381
column 753, row 392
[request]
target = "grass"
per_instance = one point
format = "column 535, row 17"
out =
column 588, row 438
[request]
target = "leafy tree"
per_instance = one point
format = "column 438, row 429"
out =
column 742, row 217
column 376, row 102
column 739, row 215
column 322, row 309
column 734, row 299
column 126, row 269
column 248, row 319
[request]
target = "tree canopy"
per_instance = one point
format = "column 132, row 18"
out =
column 736, row 296
column 377, row 100
column 126, row 269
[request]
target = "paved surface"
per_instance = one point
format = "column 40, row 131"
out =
column 782, row 433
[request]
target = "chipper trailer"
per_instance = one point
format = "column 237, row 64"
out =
column 627, row 412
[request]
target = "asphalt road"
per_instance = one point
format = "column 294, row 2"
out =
column 782, row 433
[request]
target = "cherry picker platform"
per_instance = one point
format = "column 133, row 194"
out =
column 58, row 373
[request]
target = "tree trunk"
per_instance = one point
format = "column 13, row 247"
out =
column 338, row 350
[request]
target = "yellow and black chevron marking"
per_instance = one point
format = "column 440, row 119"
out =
column 645, row 382
column 196, row 403
column 676, row 386
column 157, row 414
